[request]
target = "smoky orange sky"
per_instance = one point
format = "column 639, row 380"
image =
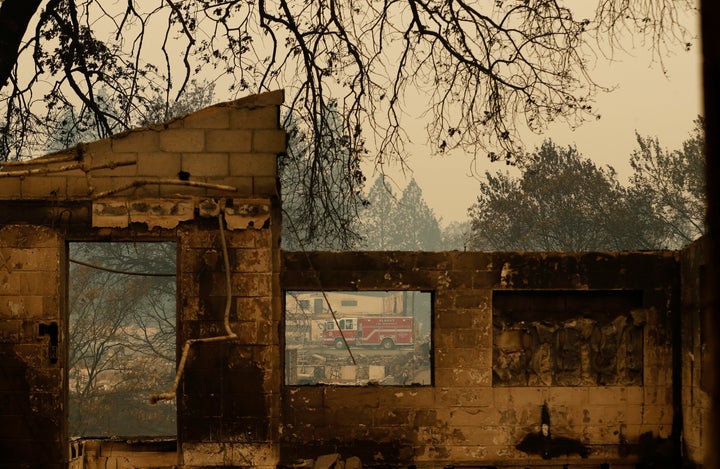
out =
column 645, row 100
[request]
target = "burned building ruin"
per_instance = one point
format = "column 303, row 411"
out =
column 527, row 359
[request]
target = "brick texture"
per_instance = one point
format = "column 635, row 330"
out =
column 195, row 147
column 462, row 415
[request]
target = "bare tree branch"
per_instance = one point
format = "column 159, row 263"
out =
column 15, row 17
column 483, row 72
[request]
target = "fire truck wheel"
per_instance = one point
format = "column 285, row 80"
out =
column 387, row 343
column 339, row 344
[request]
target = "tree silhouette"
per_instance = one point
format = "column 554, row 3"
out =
column 417, row 228
column 378, row 224
column 671, row 184
column 121, row 342
column 561, row 202
column 483, row 71
column 405, row 224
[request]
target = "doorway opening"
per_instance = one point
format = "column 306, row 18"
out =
column 122, row 338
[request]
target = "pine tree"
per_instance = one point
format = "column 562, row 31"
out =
column 417, row 227
column 378, row 224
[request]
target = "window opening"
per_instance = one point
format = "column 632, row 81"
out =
column 122, row 340
column 388, row 334
column 568, row 338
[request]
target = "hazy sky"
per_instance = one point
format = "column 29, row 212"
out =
column 645, row 100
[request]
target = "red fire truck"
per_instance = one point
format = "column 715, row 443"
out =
column 385, row 332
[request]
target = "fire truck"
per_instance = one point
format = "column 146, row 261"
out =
column 384, row 332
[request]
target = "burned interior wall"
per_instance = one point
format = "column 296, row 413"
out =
column 206, row 181
column 32, row 347
column 696, row 366
column 465, row 418
column 568, row 338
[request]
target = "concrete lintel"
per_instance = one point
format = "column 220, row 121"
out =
column 247, row 213
column 162, row 213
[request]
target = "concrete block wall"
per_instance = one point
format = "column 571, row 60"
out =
column 230, row 399
column 231, row 144
column 32, row 414
column 463, row 419
column 167, row 182
column 233, row 410
column 696, row 369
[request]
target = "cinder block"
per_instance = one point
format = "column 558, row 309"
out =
column 255, row 118
column 135, row 141
column 175, row 190
column 262, row 456
column 657, row 415
column 252, row 260
column 267, row 333
column 205, row 164
column 159, row 165
column 269, row 141
column 24, row 307
column 33, row 355
column 271, row 98
column 486, row 434
column 24, row 236
column 182, row 140
column 265, row 186
column 468, row 338
column 251, row 284
column 10, row 331
column 203, row 454
column 90, row 149
column 253, row 164
column 125, row 185
column 10, row 188
column 529, row 397
column 473, row 396
column 604, row 395
column 241, row 239
column 229, row 141
column 453, row 319
column 599, row 434
column 246, row 332
column 362, row 397
column 29, row 283
column 215, row 117
column 43, row 187
column 30, row 259
column 79, row 187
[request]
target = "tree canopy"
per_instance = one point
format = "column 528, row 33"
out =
column 485, row 69
column 404, row 224
column 562, row 201
column 672, row 185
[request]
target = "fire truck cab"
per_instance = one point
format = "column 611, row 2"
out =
column 384, row 332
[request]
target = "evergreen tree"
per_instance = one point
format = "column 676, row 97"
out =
column 417, row 227
column 407, row 224
column 457, row 236
column 378, row 224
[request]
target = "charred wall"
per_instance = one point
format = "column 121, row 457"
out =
column 537, row 358
column 207, row 182
column 31, row 348
column 696, row 366
column 468, row 415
